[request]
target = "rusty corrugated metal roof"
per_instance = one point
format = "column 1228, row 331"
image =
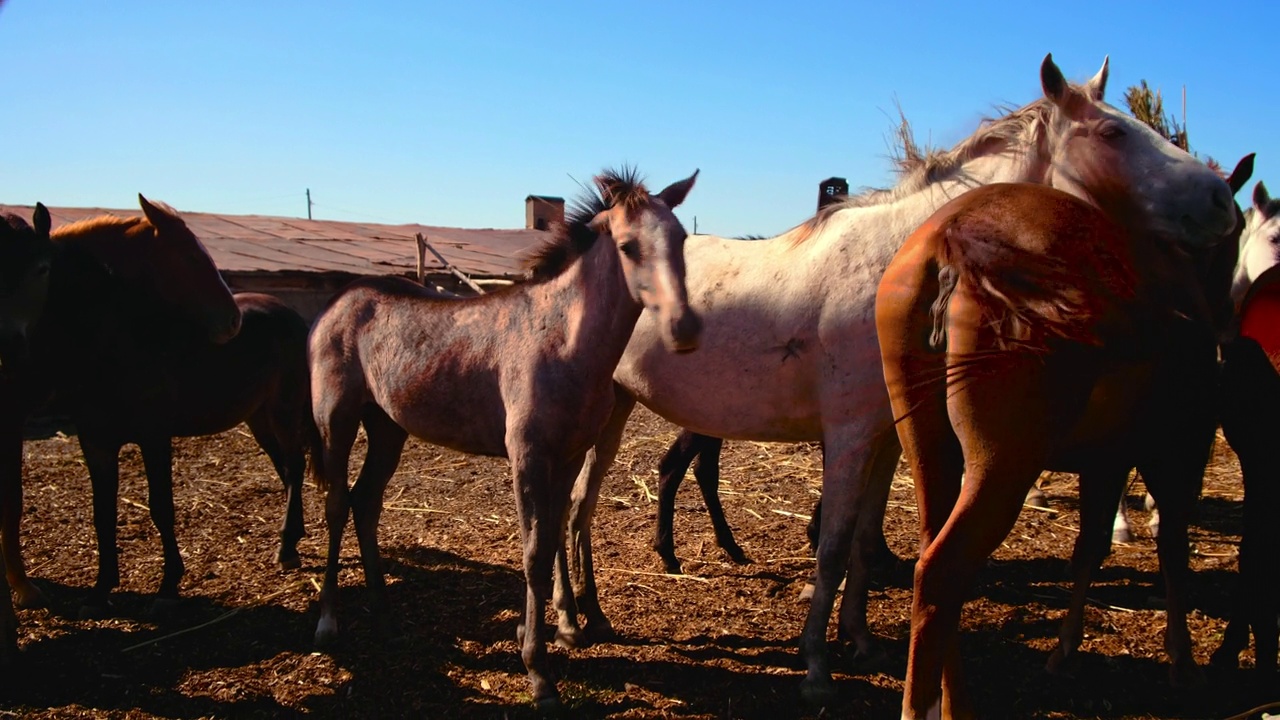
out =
column 261, row 243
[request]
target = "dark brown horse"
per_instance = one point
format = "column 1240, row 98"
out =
column 524, row 373
column 1251, row 392
column 26, row 254
column 196, row 387
column 1022, row 328
column 141, row 341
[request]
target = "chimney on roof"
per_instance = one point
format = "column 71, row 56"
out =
column 831, row 190
column 540, row 211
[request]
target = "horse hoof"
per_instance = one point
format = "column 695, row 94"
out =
column 165, row 606
column 30, row 598
column 326, row 633
column 290, row 563
column 818, row 694
column 550, row 705
column 1224, row 659
column 1060, row 664
column 95, row 610
column 1037, row 499
column 1186, row 676
column 806, row 594
column 1121, row 535
column 572, row 639
column 738, row 555
column 869, row 654
column 600, row 631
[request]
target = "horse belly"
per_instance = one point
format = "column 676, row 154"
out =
column 736, row 386
column 462, row 412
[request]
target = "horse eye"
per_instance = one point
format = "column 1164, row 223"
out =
column 41, row 271
column 1111, row 132
column 631, row 249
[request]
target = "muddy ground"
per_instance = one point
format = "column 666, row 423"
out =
column 718, row 643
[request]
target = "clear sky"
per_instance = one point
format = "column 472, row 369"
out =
column 450, row 113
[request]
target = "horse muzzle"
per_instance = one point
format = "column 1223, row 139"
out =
column 684, row 331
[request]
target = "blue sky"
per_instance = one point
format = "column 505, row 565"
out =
column 450, row 113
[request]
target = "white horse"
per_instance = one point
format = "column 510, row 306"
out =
column 1259, row 243
column 789, row 350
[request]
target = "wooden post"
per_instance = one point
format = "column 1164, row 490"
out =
column 424, row 245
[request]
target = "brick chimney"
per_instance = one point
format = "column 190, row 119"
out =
column 540, row 211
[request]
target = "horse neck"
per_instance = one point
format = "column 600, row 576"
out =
column 593, row 302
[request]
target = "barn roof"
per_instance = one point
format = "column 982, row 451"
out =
column 261, row 243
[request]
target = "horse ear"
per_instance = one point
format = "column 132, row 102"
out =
column 1261, row 198
column 675, row 193
column 1052, row 81
column 1242, row 173
column 41, row 221
column 600, row 223
column 1097, row 85
column 158, row 214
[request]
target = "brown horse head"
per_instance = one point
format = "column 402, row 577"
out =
column 1102, row 154
column 26, row 255
column 650, row 243
column 160, row 255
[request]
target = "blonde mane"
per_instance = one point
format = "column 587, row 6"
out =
column 917, row 168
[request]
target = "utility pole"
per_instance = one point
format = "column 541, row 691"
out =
column 309, row 203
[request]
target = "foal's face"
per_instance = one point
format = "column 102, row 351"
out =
column 650, row 244
column 184, row 274
column 26, row 255
column 1099, row 152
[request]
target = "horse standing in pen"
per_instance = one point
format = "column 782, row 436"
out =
column 532, row 365
column 26, row 254
column 142, row 341
column 1022, row 329
column 791, row 320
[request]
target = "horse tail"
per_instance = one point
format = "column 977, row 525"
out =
column 1032, row 299
column 315, row 450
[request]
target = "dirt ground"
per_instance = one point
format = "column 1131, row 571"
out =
column 717, row 643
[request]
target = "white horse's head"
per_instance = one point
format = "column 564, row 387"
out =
column 1102, row 154
column 1259, row 243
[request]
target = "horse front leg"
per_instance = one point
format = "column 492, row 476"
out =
column 157, row 459
column 541, row 487
column 28, row 595
column 580, row 583
column 101, row 457
column 847, row 462
column 868, row 541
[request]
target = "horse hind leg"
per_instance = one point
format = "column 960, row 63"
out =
column 706, row 470
column 671, row 472
column 575, row 590
column 386, row 443
column 337, row 421
column 1099, row 490
column 289, row 458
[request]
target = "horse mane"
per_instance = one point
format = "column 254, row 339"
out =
column 572, row 238
column 918, row 167
column 96, row 227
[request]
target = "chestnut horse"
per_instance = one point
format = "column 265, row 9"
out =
column 790, row 320
column 25, row 258
column 111, row 282
column 1021, row 329
column 531, row 365
column 1251, row 392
